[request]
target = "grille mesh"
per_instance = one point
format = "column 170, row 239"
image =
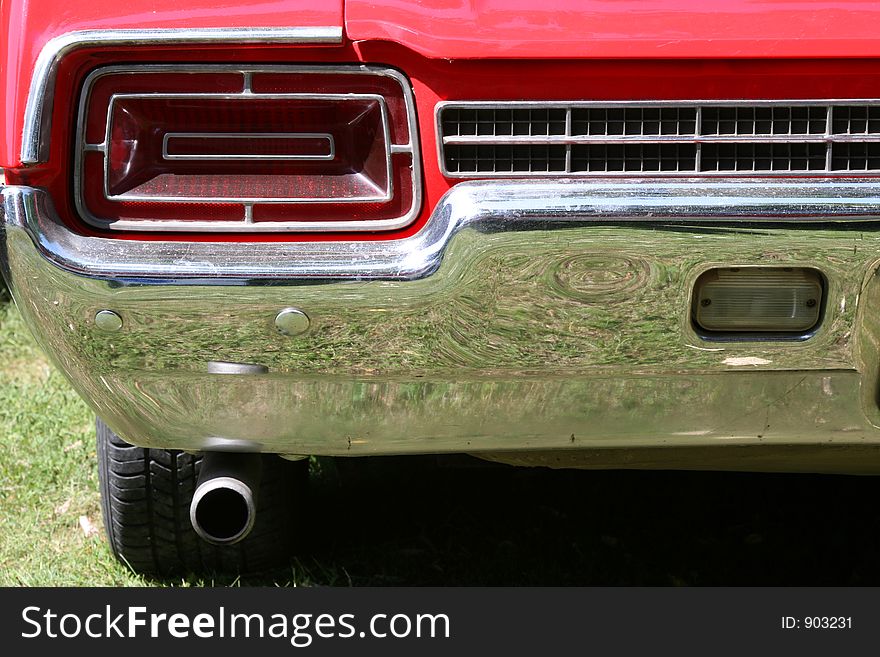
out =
column 763, row 157
column 504, row 122
column 632, row 157
column 521, row 158
column 751, row 121
column 809, row 137
column 633, row 121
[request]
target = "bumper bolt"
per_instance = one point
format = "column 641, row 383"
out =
column 292, row 321
column 107, row 320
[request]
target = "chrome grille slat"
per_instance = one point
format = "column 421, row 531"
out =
column 554, row 138
column 689, row 139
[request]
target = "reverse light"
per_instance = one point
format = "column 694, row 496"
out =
column 269, row 149
column 759, row 300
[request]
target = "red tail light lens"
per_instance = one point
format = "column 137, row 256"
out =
column 248, row 149
column 270, row 149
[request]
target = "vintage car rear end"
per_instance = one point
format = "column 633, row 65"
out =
column 577, row 234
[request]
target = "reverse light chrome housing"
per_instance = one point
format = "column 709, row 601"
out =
column 247, row 149
column 781, row 302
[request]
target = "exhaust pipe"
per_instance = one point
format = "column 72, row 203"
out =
column 224, row 506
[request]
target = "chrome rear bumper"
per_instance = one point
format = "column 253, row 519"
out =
column 524, row 316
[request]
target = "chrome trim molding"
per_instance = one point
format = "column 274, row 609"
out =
column 292, row 136
column 38, row 111
column 496, row 205
column 827, row 137
column 246, row 224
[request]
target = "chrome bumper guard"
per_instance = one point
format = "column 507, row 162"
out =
column 526, row 316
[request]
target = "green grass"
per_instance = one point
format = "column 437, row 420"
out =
column 410, row 522
column 47, row 474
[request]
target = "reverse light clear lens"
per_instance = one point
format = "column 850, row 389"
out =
column 758, row 300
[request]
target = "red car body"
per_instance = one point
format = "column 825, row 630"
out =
column 546, row 297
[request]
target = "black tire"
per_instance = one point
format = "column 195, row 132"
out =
column 145, row 496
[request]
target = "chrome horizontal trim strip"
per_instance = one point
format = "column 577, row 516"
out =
column 493, row 206
column 501, row 140
column 38, row 111
column 589, row 104
column 247, row 136
column 248, row 225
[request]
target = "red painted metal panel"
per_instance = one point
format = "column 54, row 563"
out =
column 561, row 29
column 26, row 26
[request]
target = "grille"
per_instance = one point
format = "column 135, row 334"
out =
column 561, row 138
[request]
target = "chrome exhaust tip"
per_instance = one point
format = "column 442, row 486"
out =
column 224, row 506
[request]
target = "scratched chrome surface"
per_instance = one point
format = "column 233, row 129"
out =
column 508, row 332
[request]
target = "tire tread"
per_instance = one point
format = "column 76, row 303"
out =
column 145, row 496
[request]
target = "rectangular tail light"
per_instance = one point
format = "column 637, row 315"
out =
column 213, row 148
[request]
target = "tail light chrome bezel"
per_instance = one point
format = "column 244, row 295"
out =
column 246, row 224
